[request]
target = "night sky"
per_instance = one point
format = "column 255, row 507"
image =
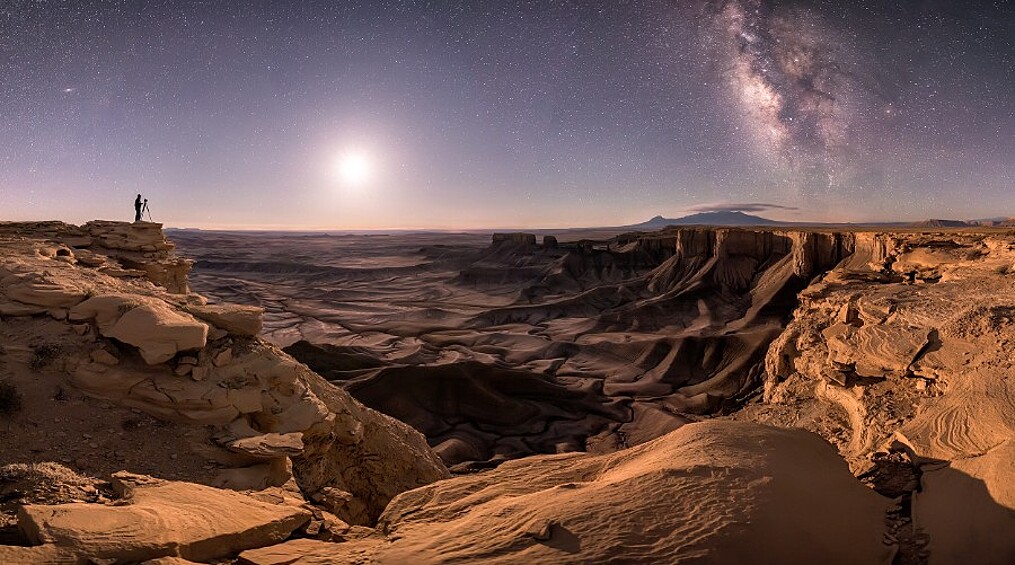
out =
column 502, row 113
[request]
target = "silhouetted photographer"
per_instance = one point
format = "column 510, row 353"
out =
column 140, row 208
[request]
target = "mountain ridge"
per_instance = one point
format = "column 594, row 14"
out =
column 724, row 218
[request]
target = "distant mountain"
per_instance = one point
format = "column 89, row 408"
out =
column 706, row 219
column 940, row 224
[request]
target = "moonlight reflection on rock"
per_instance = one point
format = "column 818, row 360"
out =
column 654, row 281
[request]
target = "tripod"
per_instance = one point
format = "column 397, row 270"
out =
column 144, row 209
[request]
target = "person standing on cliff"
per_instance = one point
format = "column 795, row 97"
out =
column 137, row 208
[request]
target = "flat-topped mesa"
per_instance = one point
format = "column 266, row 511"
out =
column 518, row 239
column 118, row 249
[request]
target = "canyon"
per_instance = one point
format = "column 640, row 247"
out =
column 692, row 393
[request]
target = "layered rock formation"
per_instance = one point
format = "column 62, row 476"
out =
column 239, row 412
column 136, row 250
column 666, row 357
column 604, row 344
column 900, row 356
column 161, row 519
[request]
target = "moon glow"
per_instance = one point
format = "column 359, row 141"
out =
column 354, row 168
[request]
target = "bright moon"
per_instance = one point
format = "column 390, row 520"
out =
column 354, row 168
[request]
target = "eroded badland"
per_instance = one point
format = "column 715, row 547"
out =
column 710, row 394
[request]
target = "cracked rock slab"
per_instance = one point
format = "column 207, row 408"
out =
column 238, row 320
column 156, row 329
column 161, row 518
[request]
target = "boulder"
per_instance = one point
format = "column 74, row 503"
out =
column 158, row 518
column 89, row 258
column 104, row 309
column 244, row 321
column 155, row 328
column 104, row 357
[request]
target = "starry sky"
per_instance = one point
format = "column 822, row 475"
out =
column 505, row 113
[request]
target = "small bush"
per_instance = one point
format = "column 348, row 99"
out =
column 130, row 423
column 60, row 395
column 10, row 398
column 43, row 355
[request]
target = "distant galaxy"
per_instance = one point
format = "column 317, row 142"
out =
column 513, row 113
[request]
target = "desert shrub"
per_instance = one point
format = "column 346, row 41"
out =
column 130, row 423
column 1003, row 269
column 60, row 394
column 43, row 355
column 10, row 398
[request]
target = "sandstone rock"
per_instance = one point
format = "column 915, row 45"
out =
column 170, row 273
column 269, row 446
column 876, row 350
column 127, row 236
column 277, row 472
column 42, row 289
column 455, row 450
column 37, row 555
column 90, row 258
column 105, row 309
column 161, row 518
column 347, row 448
column 104, row 357
column 18, row 309
column 120, row 272
column 157, row 330
column 199, row 373
column 223, row 357
column 169, row 561
column 297, row 551
column 713, row 492
column 236, row 319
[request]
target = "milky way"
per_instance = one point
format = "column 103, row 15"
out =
column 801, row 90
column 505, row 113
